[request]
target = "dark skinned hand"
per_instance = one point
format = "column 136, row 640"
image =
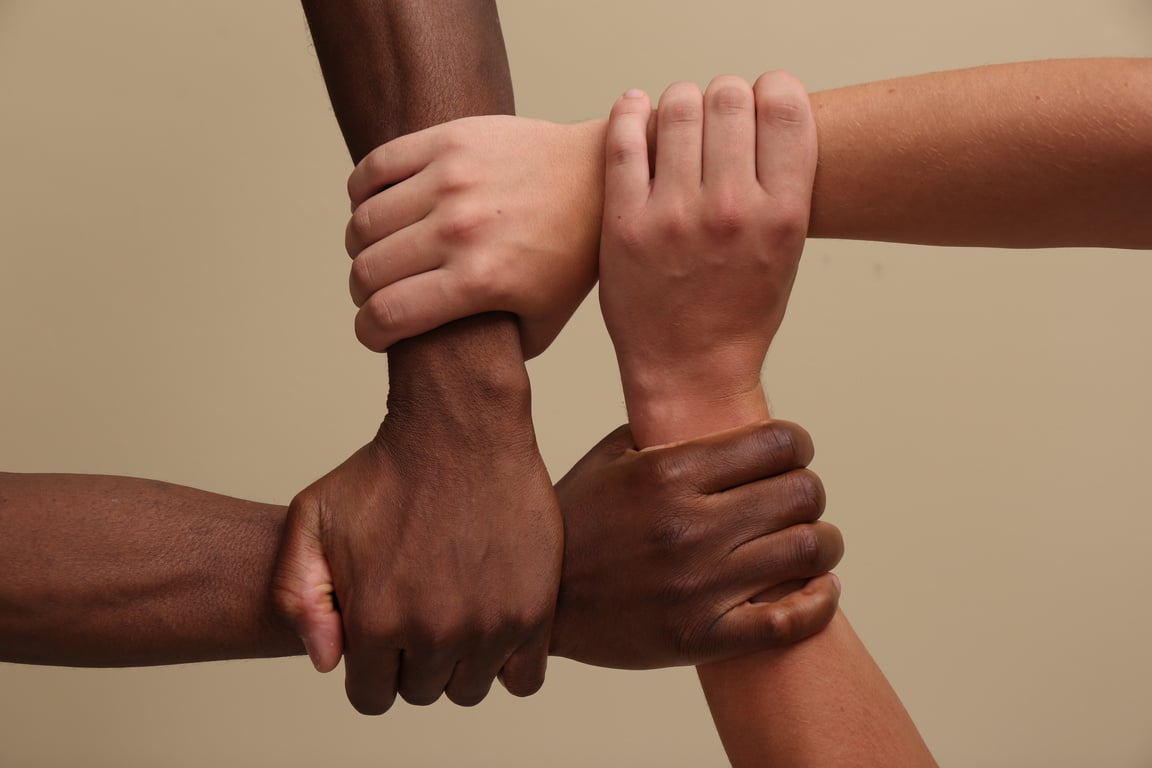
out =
column 665, row 550
column 431, row 557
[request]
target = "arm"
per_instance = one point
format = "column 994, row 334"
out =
column 116, row 571
column 441, row 538
column 696, row 266
column 1029, row 155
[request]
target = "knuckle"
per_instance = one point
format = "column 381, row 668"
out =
column 466, row 698
column 370, row 628
column 727, row 215
column 379, row 313
column 729, row 95
column 486, row 279
column 375, row 164
column 456, row 175
column 682, row 103
column 672, row 533
column 625, row 149
column 369, row 336
column 372, row 168
column 439, row 635
column 665, row 470
column 781, row 100
column 359, row 231
column 461, row 225
column 674, row 222
column 777, row 626
column 360, row 282
column 420, row 698
column 779, row 447
column 805, row 494
column 626, row 231
column 803, row 546
column 788, row 224
column 369, row 705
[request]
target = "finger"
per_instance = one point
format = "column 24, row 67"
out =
column 370, row 677
column 523, row 673
column 762, row 507
column 727, row 459
column 785, row 137
column 391, row 163
column 304, row 597
column 729, row 134
column 414, row 306
column 404, row 254
column 473, row 677
column 797, row 552
column 388, row 212
column 626, row 172
column 752, row 627
column 424, row 676
column 679, row 137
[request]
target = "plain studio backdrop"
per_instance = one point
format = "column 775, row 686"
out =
column 173, row 305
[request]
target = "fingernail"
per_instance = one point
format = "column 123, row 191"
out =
column 836, row 581
column 633, row 93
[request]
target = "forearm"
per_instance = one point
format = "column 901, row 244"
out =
column 1028, row 155
column 393, row 67
column 1036, row 154
column 396, row 66
column 115, row 571
column 821, row 702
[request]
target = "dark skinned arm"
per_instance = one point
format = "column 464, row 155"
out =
column 441, row 539
column 117, row 571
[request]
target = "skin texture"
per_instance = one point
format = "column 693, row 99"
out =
column 822, row 702
column 1015, row 155
column 665, row 548
column 117, row 571
column 490, row 528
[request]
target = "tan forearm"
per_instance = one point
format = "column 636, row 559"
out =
column 822, row 702
column 1031, row 155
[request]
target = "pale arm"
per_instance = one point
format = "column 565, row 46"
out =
column 1036, row 154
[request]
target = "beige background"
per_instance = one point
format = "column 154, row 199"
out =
column 172, row 305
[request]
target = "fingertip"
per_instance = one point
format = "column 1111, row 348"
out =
column 632, row 102
column 523, row 673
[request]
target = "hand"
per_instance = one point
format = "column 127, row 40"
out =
column 442, row 548
column 480, row 214
column 698, row 259
column 663, row 549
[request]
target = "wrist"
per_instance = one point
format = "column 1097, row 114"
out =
column 665, row 414
column 466, row 379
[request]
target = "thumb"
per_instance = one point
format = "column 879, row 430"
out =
column 756, row 626
column 303, row 593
